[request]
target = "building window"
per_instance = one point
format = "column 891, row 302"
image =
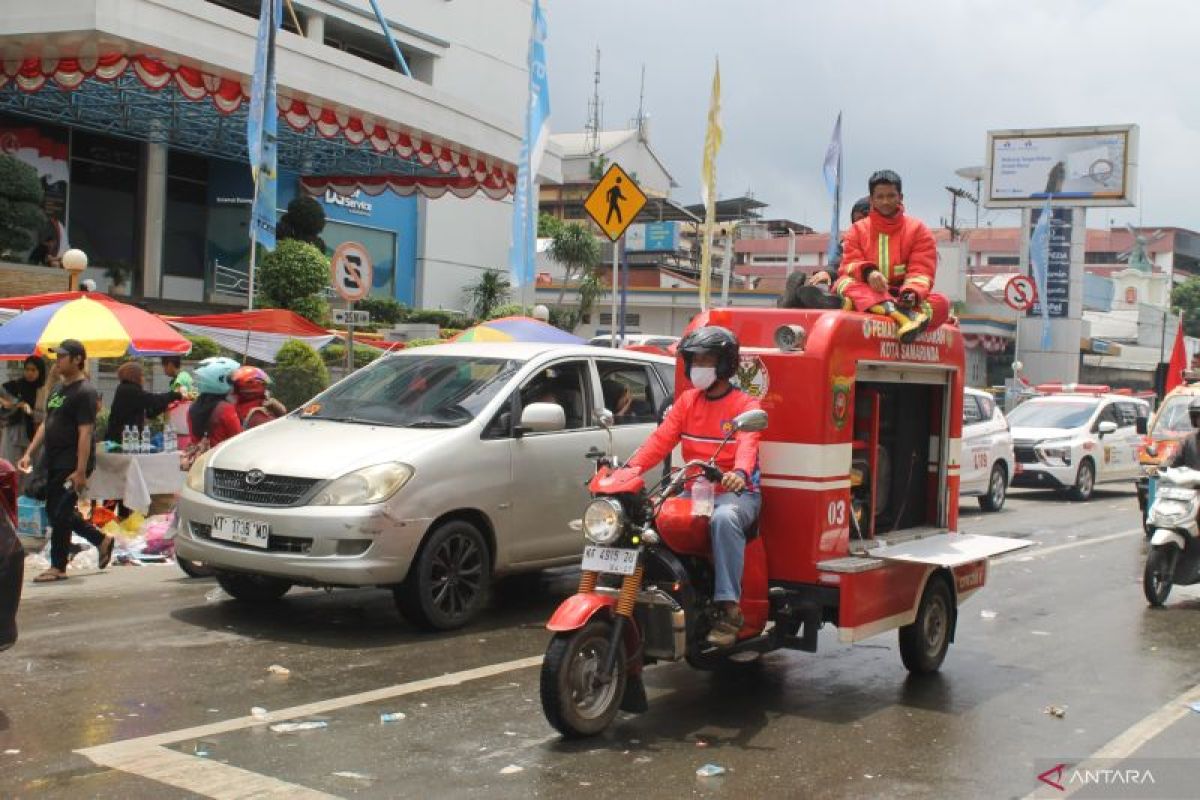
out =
column 1004, row 261
column 631, row 320
column 1131, row 295
column 186, row 226
column 104, row 221
column 1100, row 257
column 252, row 8
column 373, row 47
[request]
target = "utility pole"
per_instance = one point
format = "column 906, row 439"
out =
column 595, row 111
column 957, row 194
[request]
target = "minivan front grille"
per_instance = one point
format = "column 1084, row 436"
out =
column 279, row 491
column 1025, row 454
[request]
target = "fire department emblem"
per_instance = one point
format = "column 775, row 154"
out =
column 841, row 401
column 751, row 377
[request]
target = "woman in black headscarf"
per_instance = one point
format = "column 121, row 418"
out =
column 132, row 405
column 25, row 405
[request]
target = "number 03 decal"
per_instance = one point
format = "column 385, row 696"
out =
column 837, row 512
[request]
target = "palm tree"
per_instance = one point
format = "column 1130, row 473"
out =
column 490, row 292
column 575, row 248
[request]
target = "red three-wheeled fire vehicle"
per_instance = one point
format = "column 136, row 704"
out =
column 860, row 453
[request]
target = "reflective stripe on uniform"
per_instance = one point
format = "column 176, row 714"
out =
column 924, row 280
column 883, row 257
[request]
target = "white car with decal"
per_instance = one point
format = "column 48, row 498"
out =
column 1072, row 441
column 987, row 451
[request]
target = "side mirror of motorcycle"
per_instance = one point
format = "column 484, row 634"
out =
column 751, row 421
column 542, row 418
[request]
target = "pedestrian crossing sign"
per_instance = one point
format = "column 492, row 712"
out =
column 615, row 202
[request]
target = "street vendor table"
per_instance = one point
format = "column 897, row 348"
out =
column 133, row 477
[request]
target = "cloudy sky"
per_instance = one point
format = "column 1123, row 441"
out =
column 919, row 84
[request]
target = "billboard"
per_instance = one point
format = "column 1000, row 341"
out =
column 652, row 237
column 1080, row 166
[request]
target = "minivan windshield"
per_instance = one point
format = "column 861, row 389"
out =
column 1173, row 421
column 417, row 391
column 1053, row 414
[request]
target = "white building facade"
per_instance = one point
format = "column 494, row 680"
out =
column 134, row 113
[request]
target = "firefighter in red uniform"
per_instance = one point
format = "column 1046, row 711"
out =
column 889, row 261
column 698, row 421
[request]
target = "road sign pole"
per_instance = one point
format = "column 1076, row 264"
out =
column 616, row 266
column 350, row 337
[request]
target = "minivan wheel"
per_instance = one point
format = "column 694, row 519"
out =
column 997, row 489
column 1085, row 481
column 253, row 588
column 448, row 582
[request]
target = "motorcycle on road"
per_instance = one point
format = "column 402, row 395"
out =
column 1174, row 556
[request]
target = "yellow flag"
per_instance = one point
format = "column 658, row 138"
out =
column 708, row 176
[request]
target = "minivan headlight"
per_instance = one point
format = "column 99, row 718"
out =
column 1055, row 450
column 365, row 486
column 603, row 521
column 195, row 476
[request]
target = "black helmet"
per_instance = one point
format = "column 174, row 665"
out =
column 712, row 339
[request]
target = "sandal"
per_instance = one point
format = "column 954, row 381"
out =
column 106, row 550
column 50, row 576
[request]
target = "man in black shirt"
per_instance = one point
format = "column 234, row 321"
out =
column 69, row 459
column 1189, row 455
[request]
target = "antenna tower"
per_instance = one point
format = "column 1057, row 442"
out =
column 595, row 120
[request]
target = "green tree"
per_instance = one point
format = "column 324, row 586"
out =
column 303, row 220
column 334, row 355
column 576, row 250
column 383, row 310
column 21, row 216
column 487, row 293
column 293, row 277
column 299, row 374
column 1186, row 298
column 202, row 348
column 548, row 225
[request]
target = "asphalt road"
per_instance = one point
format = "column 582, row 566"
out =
column 137, row 683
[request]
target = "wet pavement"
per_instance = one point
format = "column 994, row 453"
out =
column 139, row 683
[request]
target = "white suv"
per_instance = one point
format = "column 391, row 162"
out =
column 987, row 451
column 1072, row 441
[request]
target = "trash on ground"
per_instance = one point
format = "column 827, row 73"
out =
column 216, row 595
column 296, row 727
column 1195, row 706
column 202, row 749
column 391, row 716
column 510, row 733
column 511, row 769
column 1057, row 712
column 642, row 760
column 275, row 669
column 356, row 776
column 12, row 752
column 258, row 712
column 710, row 771
column 1040, row 633
column 985, row 614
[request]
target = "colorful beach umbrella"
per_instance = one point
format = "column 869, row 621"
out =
column 107, row 328
column 517, row 329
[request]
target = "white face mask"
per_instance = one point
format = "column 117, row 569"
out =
column 702, row 377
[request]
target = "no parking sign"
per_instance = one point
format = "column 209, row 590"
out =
column 351, row 271
column 1020, row 293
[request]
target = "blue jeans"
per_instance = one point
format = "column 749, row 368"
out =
column 732, row 517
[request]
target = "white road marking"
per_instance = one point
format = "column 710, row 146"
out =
column 204, row 777
column 1129, row 741
column 148, row 757
column 1057, row 548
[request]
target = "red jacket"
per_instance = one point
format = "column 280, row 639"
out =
column 700, row 424
column 223, row 424
column 900, row 247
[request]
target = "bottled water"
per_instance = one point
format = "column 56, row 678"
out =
column 170, row 440
column 145, row 440
column 127, row 439
column 702, row 497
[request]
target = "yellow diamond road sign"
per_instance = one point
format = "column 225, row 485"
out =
column 615, row 202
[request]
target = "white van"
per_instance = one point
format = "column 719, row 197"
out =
column 988, row 461
column 1072, row 441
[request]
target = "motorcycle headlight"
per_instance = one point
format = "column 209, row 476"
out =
column 365, row 486
column 603, row 521
column 195, row 476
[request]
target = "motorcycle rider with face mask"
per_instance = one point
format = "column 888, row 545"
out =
column 699, row 420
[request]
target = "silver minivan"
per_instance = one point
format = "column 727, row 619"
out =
column 428, row 472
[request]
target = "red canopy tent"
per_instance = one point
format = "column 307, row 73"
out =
column 259, row 334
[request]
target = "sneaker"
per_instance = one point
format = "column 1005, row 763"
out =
column 725, row 627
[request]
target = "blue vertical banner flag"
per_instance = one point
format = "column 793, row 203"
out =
column 1039, row 263
column 521, row 254
column 261, row 125
column 833, row 183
